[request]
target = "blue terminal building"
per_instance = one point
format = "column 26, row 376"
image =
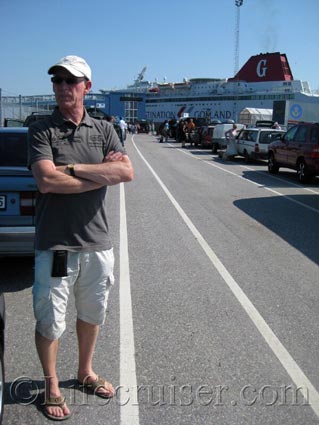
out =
column 127, row 104
column 131, row 106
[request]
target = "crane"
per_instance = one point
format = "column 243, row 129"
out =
column 140, row 76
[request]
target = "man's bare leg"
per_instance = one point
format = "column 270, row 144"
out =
column 48, row 352
column 87, row 336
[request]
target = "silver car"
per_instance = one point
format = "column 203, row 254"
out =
column 17, row 194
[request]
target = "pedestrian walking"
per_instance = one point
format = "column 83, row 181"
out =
column 183, row 132
column 190, row 131
column 164, row 131
column 123, row 126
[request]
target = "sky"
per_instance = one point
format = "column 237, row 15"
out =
column 173, row 39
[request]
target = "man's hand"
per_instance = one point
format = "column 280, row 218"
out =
column 115, row 168
column 55, row 179
column 113, row 156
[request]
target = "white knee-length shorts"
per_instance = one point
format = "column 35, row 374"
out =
column 91, row 276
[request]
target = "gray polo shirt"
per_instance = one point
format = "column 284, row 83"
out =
column 75, row 222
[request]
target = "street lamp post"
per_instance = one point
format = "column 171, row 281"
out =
column 238, row 3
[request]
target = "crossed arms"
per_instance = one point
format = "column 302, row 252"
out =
column 115, row 168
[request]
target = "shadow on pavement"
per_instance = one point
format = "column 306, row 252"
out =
column 16, row 273
column 297, row 223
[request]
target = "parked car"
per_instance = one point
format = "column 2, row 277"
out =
column 17, row 194
column 143, row 126
column 2, row 325
column 298, row 149
column 206, row 136
column 252, row 143
column 35, row 116
column 12, row 122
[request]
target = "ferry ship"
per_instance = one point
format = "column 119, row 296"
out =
column 264, row 82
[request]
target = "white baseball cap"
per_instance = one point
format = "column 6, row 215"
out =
column 74, row 64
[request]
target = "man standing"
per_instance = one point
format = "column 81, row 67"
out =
column 230, row 137
column 123, row 127
column 73, row 158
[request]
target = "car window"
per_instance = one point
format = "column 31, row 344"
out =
column 248, row 135
column 275, row 136
column 13, row 149
column 252, row 136
column 301, row 134
column 243, row 135
column 290, row 135
column 314, row 137
column 268, row 136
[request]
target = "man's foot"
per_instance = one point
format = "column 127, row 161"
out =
column 98, row 386
column 56, row 409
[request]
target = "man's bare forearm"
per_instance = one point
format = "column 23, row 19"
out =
column 115, row 168
column 107, row 173
column 51, row 179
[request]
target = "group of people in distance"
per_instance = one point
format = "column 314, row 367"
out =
column 185, row 129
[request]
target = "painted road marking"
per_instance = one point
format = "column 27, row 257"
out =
column 294, row 371
column 295, row 201
column 128, row 386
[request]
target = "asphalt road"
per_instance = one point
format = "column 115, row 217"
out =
column 213, row 318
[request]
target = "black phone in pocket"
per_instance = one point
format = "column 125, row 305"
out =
column 60, row 263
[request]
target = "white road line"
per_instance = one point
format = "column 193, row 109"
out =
column 258, row 184
column 295, row 372
column 128, row 385
column 295, row 201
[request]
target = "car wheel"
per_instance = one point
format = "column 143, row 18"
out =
column 273, row 167
column 214, row 148
column 302, row 172
column 1, row 382
column 246, row 156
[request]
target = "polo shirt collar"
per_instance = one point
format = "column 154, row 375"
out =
column 58, row 119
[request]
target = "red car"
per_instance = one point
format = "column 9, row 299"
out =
column 206, row 136
column 297, row 149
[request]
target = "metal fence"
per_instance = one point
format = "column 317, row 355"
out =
column 19, row 107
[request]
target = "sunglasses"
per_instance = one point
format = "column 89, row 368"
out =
column 68, row 80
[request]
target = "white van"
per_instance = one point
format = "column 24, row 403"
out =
column 219, row 141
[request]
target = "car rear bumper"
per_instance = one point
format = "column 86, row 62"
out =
column 17, row 241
